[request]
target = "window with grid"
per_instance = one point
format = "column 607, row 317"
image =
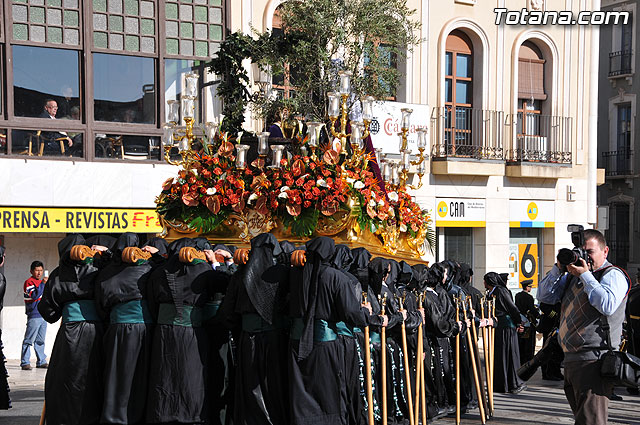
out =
column 458, row 89
column 282, row 82
column 531, row 90
column 90, row 79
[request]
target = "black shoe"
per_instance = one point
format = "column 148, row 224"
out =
column 43, row 366
column 439, row 414
column 615, row 397
column 451, row 410
column 633, row 391
column 518, row 390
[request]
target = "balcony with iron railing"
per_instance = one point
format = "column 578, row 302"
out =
column 620, row 63
column 460, row 134
column 541, row 146
column 541, row 138
column 618, row 163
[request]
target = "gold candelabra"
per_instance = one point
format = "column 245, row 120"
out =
column 397, row 174
column 359, row 129
column 182, row 137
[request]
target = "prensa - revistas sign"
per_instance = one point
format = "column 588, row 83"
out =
column 78, row 220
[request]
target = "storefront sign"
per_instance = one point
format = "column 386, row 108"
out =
column 78, row 220
column 524, row 263
column 387, row 120
column 460, row 212
column 526, row 213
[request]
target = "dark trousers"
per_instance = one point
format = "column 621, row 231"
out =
column 587, row 392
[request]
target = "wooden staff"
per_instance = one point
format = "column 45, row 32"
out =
column 407, row 372
column 423, row 390
column 383, row 359
column 419, row 364
column 476, row 352
column 472, row 355
column 457, row 363
column 487, row 366
column 367, row 360
column 492, row 350
column 44, row 409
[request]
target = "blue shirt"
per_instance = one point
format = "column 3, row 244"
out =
column 605, row 296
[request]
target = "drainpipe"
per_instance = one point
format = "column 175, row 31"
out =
column 592, row 165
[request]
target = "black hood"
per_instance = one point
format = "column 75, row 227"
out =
column 343, row 258
column 103, row 240
column 464, row 276
column 126, row 240
column 405, row 274
column 360, row 266
column 419, row 278
column 178, row 244
column 202, row 244
column 436, row 274
column 494, row 279
column 68, row 242
column 378, row 271
column 160, row 244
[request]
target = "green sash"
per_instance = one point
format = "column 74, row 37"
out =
column 80, row 311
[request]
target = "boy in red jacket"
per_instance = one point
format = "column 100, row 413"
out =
column 36, row 325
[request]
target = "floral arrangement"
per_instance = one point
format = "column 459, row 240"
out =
column 299, row 192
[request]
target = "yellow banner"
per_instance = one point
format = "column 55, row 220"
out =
column 78, row 220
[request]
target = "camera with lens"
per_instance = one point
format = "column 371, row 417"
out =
column 568, row 256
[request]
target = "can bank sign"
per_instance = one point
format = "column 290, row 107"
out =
column 387, row 122
column 460, row 212
column 531, row 213
column 78, row 220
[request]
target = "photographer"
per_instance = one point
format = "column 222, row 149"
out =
column 592, row 289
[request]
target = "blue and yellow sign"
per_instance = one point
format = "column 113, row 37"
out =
column 78, row 220
column 460, row 212
column 538, row 214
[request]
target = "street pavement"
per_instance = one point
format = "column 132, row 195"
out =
column 542, row 403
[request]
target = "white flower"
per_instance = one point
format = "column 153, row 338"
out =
column 381, row 202
column 403, row 227
column 252, row 198
column 211, row 191
column 393, row 196
column 321, row 183
column 358, row 185
column 372, row 203
column 284, row 188
column 350, row 180
column 283, row 195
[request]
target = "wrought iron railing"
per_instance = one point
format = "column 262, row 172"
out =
column 466, row 133
column 620, row 63
column 541, row 138
column 618, row 163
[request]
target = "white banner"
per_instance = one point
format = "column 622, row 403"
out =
column 387, row 119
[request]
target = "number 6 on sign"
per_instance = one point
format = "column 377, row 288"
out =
column 528, row 260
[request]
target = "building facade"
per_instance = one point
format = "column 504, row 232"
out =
column 617, row 130
column 510, row 110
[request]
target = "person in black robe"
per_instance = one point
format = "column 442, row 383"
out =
column 507, row 355
column 321, row 296
column 5, row 399
column 177, row 293
column 632, row 327
column 437, row 299
column 342, row 260
column 254, row 304
column 159, row 250
column 121, row 293
column 527, row 339
column 73, row 385
column 105, row 244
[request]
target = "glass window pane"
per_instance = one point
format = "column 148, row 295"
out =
column 463, row 92
column 47, row 143
column 124, row 146
column 447, row 90
column 33, row 84
column 124, row 88
column 463, row 65
column 447, row 63
column 174, row 72
column 458, row 244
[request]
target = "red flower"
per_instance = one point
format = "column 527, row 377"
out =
column 189, row 200
column 217, row 171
